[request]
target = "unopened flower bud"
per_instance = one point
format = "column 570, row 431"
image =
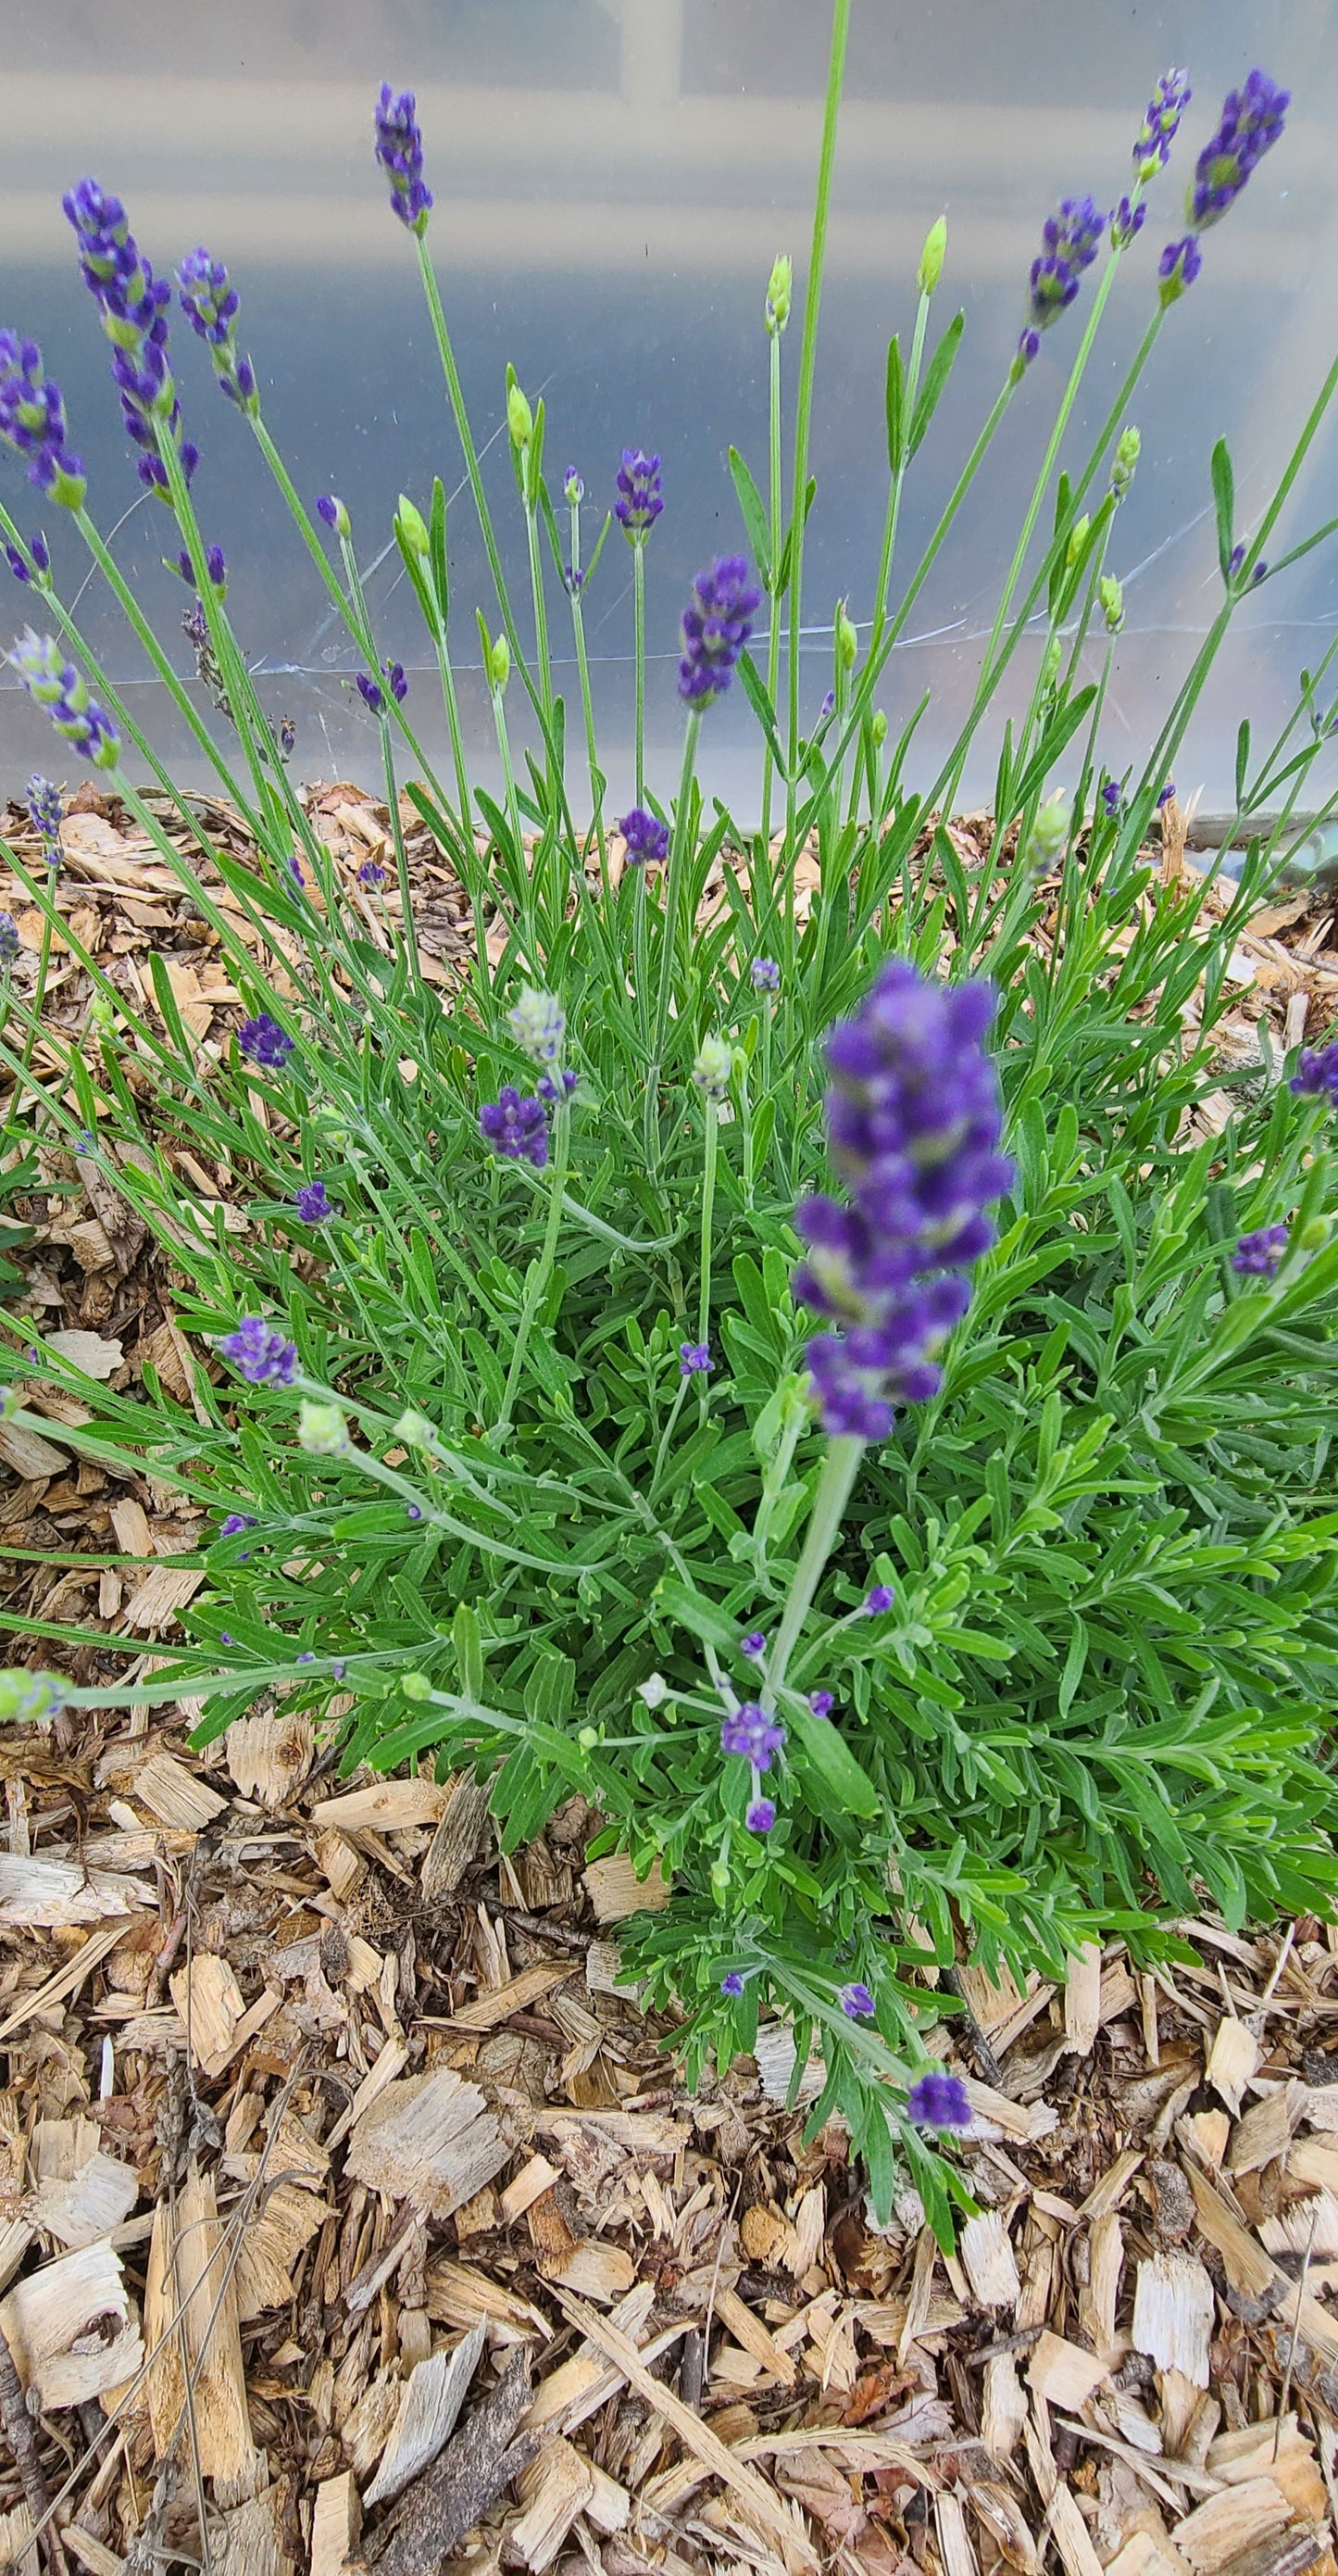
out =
column 1126, row 458
column 519, row 417
column 1054, row 655
column 847, row 638
column 1111, row 597
column 29, row 1697
column 331, row 509
column 538, row 1024
column 499, row 664
column 1081, row 532
column 878, row 727
column 1314, row 1236
column 412, row 526
column 588, row 1738
column 713, row 1067
column 321, row 1430
column 415, row 1430
column 654, row 1690
column 780, row 288
column 720, row 1880
column 415, row 1686
column 1048, row 834
column 932, row 256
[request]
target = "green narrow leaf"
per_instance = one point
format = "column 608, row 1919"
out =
column 1242, row 762
column 436, row 547
column 702, row 1618
column 827, row 1751
column 895, row 404
column 754, row 689
column 754, row 514
column 1224, row 502
column 936, row 377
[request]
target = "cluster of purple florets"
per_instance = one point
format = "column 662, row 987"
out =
column 754, row 1737
column 46, row 809
column 1316, row 1074
column 312, row 1204
column 133, row 305
column 640, row 494
column 646, row 837
column 37, row 558
column 374, row 695
column 1070, row 242
column 1259, row 1255
column 210, row 304
column 516, row 1126
column 264, row 1042
column 399, row 150
column 215, row 566
column 55, row 684
column 1251, row 121
column 32, row 422
column 717, row 623
column 914, row 1120
column 259, row 1354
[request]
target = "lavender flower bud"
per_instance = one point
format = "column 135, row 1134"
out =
column 322, row 1430
column 1126, row 223
column 878, row 1598
column 654, row 1690
column 1048, row 834
column 732, row 1984
column 938, row 2101
column 821, row 1703
column 1070, row 242
column 761, row 1816
column 780, row 290
column 133, row 307
column 412, row 526
column 1156, row 134
column 210, row 303
column 1166, row 796
column 1316, row 1074
column 55, row 684
column 46, row 810
column 399, row 150
column 30, row 1698
column 312, row 1205
column 1111, row 597
column 259, row 1354
column 932, row 257
column 265, row 1042
column 713, row 1068
column 765, row 975
column 857, row 2002
column 235, row 1523
column 519, row 417
column 754, row 1645
column 694, row 1359
column 1177, row 269
column 9, row 939
column 573, row 489
column 645, row 837
column 717, row 623
column 331, row 509
column 499, row 665
column 847, row 638
column 1252, row 119
column 640, row 494
column 1259, row 1256
column 415, row 1430
column 1126, row 459
column 32, row 422
column 538, row 1024
column 516, row 1127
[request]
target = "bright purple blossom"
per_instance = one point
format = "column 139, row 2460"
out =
column 750, row 1733
column 1317, row 1073
column 32, row 422
column 694, row 1359
column 765, row 975
column 1259, row 1255
column 55, row 684
column 732, row 1984
column 210, row 303
column 821, row 1703
column 878, row 1598
column 1156, row 134
column 761, row 1816
column 1177, row 268
column 1112, row 799
column 640, row 494
column 399, row 149
column 235, row 1523
column 646, row 837
column 754, row 1645
column 1126, row 223
column 312, row 1205
column 259, row 1354
column 133, row 305
column 937, row 2101
column 914, row 1120
column 37, row 559
column 717, row 623
column 214, row 564
column 516, row 1127
column 1252, row 119
column 857, row 2002
column 1069, row 244
column 395, row 681
column 265, row 1042
column 370, row 874
column 46, row 808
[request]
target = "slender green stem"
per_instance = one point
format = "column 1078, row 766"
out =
column 441, row 335
column 839, row 1470
column 1048, row 461
column 673, row 891
column 540, row 613
column 775, row 501
column 898, row 482
column 513, row 817
column 407, row 930
column 541, row 1271
column 132, row 612
column 640, row 961
column 39, row 988
column 667, row 1434
column 807, row 363
column 708, row 1215
column 639, row 632
column 591, row 751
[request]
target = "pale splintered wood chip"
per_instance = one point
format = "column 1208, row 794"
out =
column 1004, row 2411
column 165, row 1590
column 176, row 1796
column 1264, row 2450
column 97, row 1356
column 1070, row 2534
column 535, row 2177
column 1314, row 2160
column 774, row 2051
column 211, row 2005
column 1232, row 2060
column 269, row 1757
column 384, row 1807
column 39, row 1893
column 336, row 2525
column 190, row 2298
column 757, row 2339
column 433, row 2396
column 615, row 1891
column 554, row 2489
column 71, row 2329
column 430, row 2139
column 991, row 2266
column 1062, row 2373
column 1210, row 2131
column 1225, row 2525
column 1109, row 2191
column 1082, row 2000
column 1098, row 2296
column 253, row 2537
column 30, row 1456
column 1023, row 2120
column 79, row 2208
column 460, row 1835
column 580, row 2385
column 594, row 2270
column 285, row 2220
column 954, row 2540
column 488, row 2011
column 608, row 2507
column 1173, row 2314
column 130, row 1523
column 1265, row 2131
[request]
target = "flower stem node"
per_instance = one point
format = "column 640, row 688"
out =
column 322, row 1430
column 30, row 1698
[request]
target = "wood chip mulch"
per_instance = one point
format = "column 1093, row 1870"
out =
column 353, row 2215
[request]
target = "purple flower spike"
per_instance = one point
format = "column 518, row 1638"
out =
column 751, row 1734
column 371, row 874
column 331, row 509
column 1259, row 1255
column 1126, row 223
column 265, row 1042
column 717, row 623
column 732, row 1984
column 399, row 149
column 645, row 837
column 235, row 1523
column 210, row 304
column 259, row 1355
column 46, row 810
column 312, row 1205
column 754, row 1645
column 857, row 2002
column 821, row 1703
column 133, row 305
column 765, row 975
column 1112, row 799
column 55, row 684
column 1317, row 1074
column 1177, row 268
column 9, row 939
column 1156, row 134
column 32, row 422
column 694, row 1359
column 516, row 1128
column 880, row 1597
column 938, row 2101
column 640, row 494
column 914, row 1120
column 761, row 1816
column 1070, row 241
column 1166, row 796
column 1252, row 120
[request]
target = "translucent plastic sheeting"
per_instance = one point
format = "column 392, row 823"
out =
column 613, row 179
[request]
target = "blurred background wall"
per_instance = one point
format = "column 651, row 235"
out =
column 613, row 179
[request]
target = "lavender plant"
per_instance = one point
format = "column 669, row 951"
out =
column 795, row 1376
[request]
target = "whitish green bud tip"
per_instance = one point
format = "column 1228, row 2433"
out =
column 933, row 256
